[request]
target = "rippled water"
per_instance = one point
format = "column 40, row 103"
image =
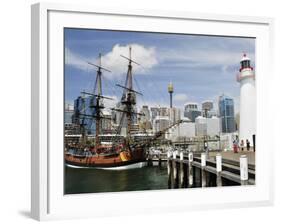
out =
column 92, row 180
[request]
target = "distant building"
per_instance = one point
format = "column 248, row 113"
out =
column 207, row 126
column 191, row 111
column 120, row 117
column 159, row 111
column 146, row 114
column 163, row 111
column 117, row 114
column 154, row 112
column 208, row 109
column 174, row 115
column 226, row 112
column 68, row 114
column 182, row 131
column 207, row 105
column 213, row 126
column 72, row 129
column 200, row 126
column 212, row 113
column 144, row 120
column 160, row 123
column 83, row 110
column 106, row 124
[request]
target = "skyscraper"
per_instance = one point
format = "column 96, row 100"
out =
column 226, row 111
column 83, row 110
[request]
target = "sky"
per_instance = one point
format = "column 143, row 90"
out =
column 200, row 67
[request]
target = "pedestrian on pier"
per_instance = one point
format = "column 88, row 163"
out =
column 248, row 144
column 235, row 146
column 242, row 145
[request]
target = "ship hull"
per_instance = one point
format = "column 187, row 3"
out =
column 127, row 166
column 123, row 160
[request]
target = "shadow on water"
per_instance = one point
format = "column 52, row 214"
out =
column 97, row 180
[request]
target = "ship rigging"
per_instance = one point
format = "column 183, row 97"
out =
column 116, row 154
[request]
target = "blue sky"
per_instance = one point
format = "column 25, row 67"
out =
column 200, row 67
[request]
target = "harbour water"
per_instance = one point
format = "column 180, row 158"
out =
column 93, row 180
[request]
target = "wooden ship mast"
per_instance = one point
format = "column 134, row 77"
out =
column 98, row 103
column 128, row 102
column 128, row 99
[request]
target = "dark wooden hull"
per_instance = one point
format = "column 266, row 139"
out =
column 105, row 165
column 106, row 161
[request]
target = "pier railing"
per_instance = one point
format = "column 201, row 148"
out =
column 197, row 170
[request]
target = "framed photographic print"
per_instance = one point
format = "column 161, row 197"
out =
column 137, row 109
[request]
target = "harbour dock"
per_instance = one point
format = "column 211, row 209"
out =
column 200, row 169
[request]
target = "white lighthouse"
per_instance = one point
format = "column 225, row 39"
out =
column 246, row 78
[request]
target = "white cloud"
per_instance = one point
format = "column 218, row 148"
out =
column 145, row 56
column 199, row 58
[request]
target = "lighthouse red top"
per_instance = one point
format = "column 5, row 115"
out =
column 245, row 62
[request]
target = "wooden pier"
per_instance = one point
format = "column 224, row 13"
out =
column 188, row 170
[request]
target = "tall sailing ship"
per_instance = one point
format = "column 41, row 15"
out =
column 128, row 153
column 124, row 154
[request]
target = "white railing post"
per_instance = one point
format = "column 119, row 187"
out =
column 244, row 170
column 203, row 171
column 190, row 169
column 219, row 169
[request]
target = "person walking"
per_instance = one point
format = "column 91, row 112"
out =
column 235, row 146
column 242, row 145
column 248, row 145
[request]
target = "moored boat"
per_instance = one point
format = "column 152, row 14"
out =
column 121, row 152
column 108, row 155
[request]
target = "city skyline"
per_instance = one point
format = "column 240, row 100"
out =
column 200, row 67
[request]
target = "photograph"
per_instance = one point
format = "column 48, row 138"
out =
column 157, row 111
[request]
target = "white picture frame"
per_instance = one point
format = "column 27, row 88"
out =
column 48, row 201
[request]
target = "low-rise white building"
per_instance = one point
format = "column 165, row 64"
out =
column 213, row 126
column 207, row 126
column 183, row 130
column 160, row 123
column 200, row 126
